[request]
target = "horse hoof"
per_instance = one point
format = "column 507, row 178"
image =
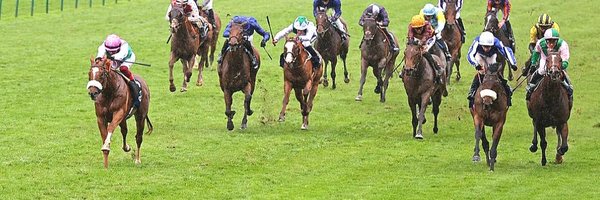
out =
column 476, row 158
column 105, row 148
column 126, row 148
column 304, row 127
column 457, row 78
column 533, row 148
column 563, row 150
column 424, row 120
column 358, row 98
column 435, row 130
column 250, row 112
column 230, row 125
column 419, row 136
column 333, row 87
column 325, row 83
column 137, row 162
column 382, row 100
column 346, row 80
column 377, row 90
column 199, row 83
column 244, row 127
column 172, row 88
column 281, row 119
column 183, row 90
column 544, row 161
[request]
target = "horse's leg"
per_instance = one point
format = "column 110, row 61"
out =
column 542, row 131
column 172, row 61
column 510, row 73
column 421, row 117
column 449, row 70
column 388, row 74
column 436, row 101
column 478, row 134
column 203, row 61
column 534, row 141
column 228, row 112
column 311, row 96
column 363, row 76
column 324, row 80
column 103, row 134
column 303, row 107
column 287, row 87
column 457, row 63
column 377, row 74
column 187, row 74
column 116, row 120
column 333, row 75
column 497, row 133
column 562, row 131
column 139, row 122
column 124, row 130
column 343, row 56
column 247, row 110
column 413, row 110
column 213, row 47
column 485, row 144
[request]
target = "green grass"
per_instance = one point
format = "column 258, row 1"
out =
column 353, row 150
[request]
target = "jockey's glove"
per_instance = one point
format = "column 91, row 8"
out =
column 263, row 43
column 478, row 67
column 565, row 64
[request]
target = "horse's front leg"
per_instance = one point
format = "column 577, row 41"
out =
column 124, row 131
column 562, row 147
column 187, row 74
column 171, row 63
column 436, row 101
column 301, row 98
column 377, row 74
column 346, row 74
column 247, row 110
column 228, row 112
column 363, row 76
column 311, row 96
column 139, row 120
column 543, row 143
column 324, row 80
column 414, row 120
column 495, row 141
column 534, row 141
column 478, row 124
column 333, row 75
column 102, row 124
column 386, row 80
column 203, row 61
column 421, row 116
column 287, row 87
column 457, row 63
column 116, row 120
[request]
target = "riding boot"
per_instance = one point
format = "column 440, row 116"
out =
column 223, row 51
column 462, row 30
column 314, row 57
column 535, row 78
column 135, row 93
column 473, row 89
column 438, row 73
column 250, row 52
column 568, row 86
column 508, row 91
column 211, row 18
column 391, row 39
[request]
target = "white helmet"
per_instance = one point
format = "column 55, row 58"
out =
column 429, row 9
column 486, row 39
column 551, row 34
column 301, row 23
column 181, row 2
column 374, row 10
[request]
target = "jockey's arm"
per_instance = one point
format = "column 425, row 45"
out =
column 506, row 11
column 384, row 16
column 337, row 7
column 123, row 51
column 101, row 51
column 459, row 5
column 309, row 36
column 564, row 54
column 535, row 54
column 226, row 31
column 533, row 35
column 506, row 52
column 472, row 52
column 315, row 7
column 259, row 30
column 206, row 2
column 283, row 33
column 195, row 13
column 441, row 23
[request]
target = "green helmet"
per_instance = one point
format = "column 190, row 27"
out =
column 551, row 34
column 301, row 23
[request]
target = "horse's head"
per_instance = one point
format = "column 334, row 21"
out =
column 236, row 34
column 98, row 76
column 554, row 66
column 413, row 55
column 490, row 79
column 323, row 23
column 450, row 12
column 176, row 17
column 491, row 21
column 292, row 50
column 370, row 28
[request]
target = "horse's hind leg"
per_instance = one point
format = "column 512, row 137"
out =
column 247, row 109
column 377, row 74
column 171, row 63
column 187, row 72
column 542, row 131
column 333, row 75
column 457, row 63
column 228, row 112
column 485, row 144
column 534, row 142
column 414, row 121
column 346, row 75
column 562, row 132
column 421, row 117
column 139, row 137
column 324, row 80
column 287, row 87
column 124, row 130
column 203, row 61
column 478, row 135
column 436, row 100
column 363, row 76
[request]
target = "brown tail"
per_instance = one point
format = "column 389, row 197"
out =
column 150, row 127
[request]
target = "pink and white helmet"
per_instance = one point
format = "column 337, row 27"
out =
column 112, row 42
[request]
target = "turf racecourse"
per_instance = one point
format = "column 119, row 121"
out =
column 353, row 150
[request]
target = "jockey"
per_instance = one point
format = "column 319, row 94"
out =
column 191, row 10
column 421, row 32
column 251, row 25
column 306, row 32
column 207, row 6
column 459, row 3
column 550, row 42
column 483, row 51
column 119, row 51
column 336, row 5
column 435, row 16
column 380, row 15
column 505, row 6
column 537, row 31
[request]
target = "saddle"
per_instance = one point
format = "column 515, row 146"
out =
column 132, row 108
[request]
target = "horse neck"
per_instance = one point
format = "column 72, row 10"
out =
column 114, row 82
column 551, row 90
column 302, row 57
column 237, row 57
column 183, row 33
column 328, row 37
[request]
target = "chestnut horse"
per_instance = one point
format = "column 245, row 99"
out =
column 421, row 87
column 299, row 74
column 489, row 109
column 184, row 46
column 549, row 105
column 491, row 24
column 213, row 38
column 237, row 74
column 329, row 43
column 376, row 52
column 114, row 105
column 451, row 35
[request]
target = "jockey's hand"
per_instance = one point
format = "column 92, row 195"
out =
column 478, row 67
column 274, row 42
column 513, row 67
column 263, row 43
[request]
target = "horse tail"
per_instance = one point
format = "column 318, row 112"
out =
column 150, row 127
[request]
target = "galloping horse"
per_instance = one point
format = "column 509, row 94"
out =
column 184, row 45
column 237, row 74
column 489, row 109
column 491, row 25
column 421, row 88
column 329, row 43
column 451, row 35
column 375, row 51
column 298, row 73
column 113, row 103
column 212, row 41
column 549, row 105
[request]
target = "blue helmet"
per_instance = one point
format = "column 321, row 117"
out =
column 429, row 9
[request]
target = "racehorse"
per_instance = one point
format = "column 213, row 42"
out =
column 114, row 104
column 491, row 25
column 489, row 109
column 237, row 74
column 376, row 52
column 299, row 74
column 549, row 105
column 329, row 43
column 184, row 45
column 421, row 87
column 452, row 36
column 212, row 41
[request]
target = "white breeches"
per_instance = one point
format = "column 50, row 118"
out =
column 339, row 24
column 541, row 70
column 208, row 6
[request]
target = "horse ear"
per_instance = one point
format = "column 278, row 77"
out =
column 91, row 59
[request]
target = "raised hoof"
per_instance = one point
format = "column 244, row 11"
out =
column 346, row 80
column 172, row 88
column 126, row 148
column 476, row 158
column 230, row 125
column 325, row 82
column 183, row 89
column 304, row 127
column 358, row 98
column 377, row 89
column 533, row 148
column 559, row 159
column 419, row 136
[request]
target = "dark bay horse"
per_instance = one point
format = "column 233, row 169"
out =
column 549, row 105
column 329, row 43
column 184, row 46
column 421, row 88
column 376, row 52
column 491, row 25
column 489, row 109
column 113, row 103
column 237, row 74
column 451, row 35
column 299, row 74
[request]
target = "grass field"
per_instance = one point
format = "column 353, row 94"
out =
column 353, row 150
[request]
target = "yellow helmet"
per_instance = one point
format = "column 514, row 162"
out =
column 545, row 20
column 417, row 21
